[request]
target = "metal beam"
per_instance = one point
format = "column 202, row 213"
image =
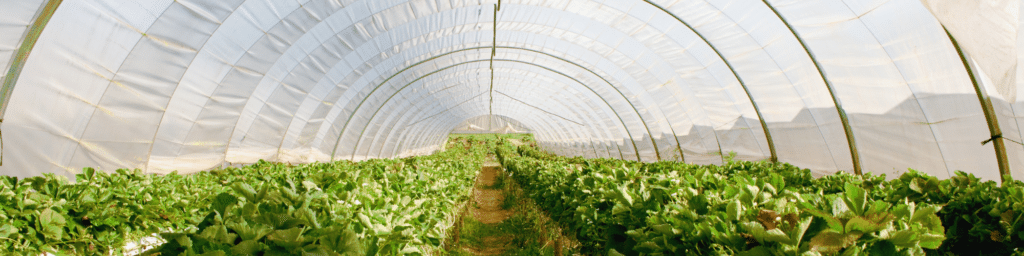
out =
column 356, row 146
column 403, row 134
column 990, row 115
column 538, row 108
column 345, row 126
column 850, row 140
column 764, row 125
column 21, row 57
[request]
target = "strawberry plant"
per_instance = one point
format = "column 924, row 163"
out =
column 383, row 206
column 739, row 208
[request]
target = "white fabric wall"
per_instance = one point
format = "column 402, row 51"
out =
column 190, row 85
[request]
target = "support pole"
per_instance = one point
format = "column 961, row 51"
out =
column 990, row 116
column 850, row 140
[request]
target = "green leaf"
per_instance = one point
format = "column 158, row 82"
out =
column 852, row 251
column 648, row 247
column 776, row 235
column 623, row 195
column 247, row 191
column 861, row 224
column 7, row 230
column 410, row 250
column 797, row 234
column 51, row 217
column 926, row 216
column 374, row 247
column 613, row 252
column 931, row 241
column 250, row 231
column 51, row 224
column 901, row 211
column 833, row 223
column 664, row 229
column 882, row 248
column 179, row 238
column 290, row 239
column 218, row 234
column 733, row 210
column 877, row 207
column 829, row 241
column 365, row 220
column 904, row 238
column 756, row 251
column 308, row 215
column 222, row 202
column 345, row 242
column 620, row 208
column 214, row 253
column 247, row 247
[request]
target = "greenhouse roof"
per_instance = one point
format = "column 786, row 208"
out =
column 189, row 85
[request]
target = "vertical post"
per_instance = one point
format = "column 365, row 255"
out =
column 18, row 63
column 850, row 140
column 757, row 110
column 990, row 115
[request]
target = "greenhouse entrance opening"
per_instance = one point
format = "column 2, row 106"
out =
column 491, row 124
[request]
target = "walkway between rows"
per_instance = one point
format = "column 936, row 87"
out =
column 501, row 221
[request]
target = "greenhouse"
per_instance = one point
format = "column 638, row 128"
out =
column 592, row 127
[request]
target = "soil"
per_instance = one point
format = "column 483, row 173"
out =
column 488, row 209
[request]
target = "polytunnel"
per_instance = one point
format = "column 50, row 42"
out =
column 831, row 85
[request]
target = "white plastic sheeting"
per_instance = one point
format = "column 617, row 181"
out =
column 189, row 85
column 15, row 20
column 491, row 124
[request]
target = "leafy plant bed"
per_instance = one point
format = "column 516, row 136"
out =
column 757, row 208
column 384, row 206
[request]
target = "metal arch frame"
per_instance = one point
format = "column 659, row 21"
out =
column 990, row 116
column 419, row 110
column 356, row 146
column 397, row 73
column 544, row 120
column 21, row 56
column 764, row 125
column 398, row 149
column 401, row 147
column 605, row 131
column 425, row 131
column 589, row 135
column 850, row 140
column 548, row 121
column 402, row 118
column 589, row 118
column 505, row 47
column 396, row 119
column 544, row 123
column 438, row 129
column 345, row 126
column 668, row 121
column 678, row 145
column 51, row 6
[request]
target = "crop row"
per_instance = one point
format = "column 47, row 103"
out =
column 397, row 206
column 758, row 208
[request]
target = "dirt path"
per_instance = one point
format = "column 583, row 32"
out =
column 501, row 221
column 488, row 198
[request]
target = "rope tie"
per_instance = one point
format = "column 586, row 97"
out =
column 1000, row 136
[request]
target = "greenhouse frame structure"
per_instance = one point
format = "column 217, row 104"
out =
column 190, row 85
